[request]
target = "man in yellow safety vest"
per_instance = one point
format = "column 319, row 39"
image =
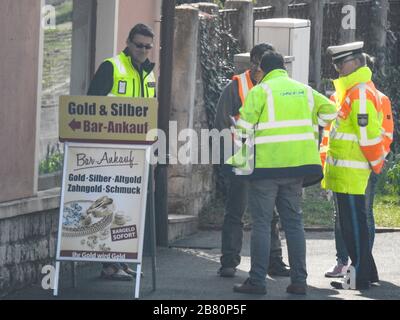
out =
column 232, row 98
column 129, row 74
column 282, row 115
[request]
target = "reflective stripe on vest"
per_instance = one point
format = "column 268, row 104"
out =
column 285, row 138
column 244, row 124
column 363, row 88
column 344, row 136
column 244, row 84
column 270, row 102
column 310, row 97
column 387, row 123
column 283, row 124
column 322, row 123
column 272, row 124
column 351, row 153
column 363, row 110
column 369, row 147
column 120, row 65
column 347, row 163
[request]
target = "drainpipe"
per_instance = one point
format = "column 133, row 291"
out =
column 164, row 102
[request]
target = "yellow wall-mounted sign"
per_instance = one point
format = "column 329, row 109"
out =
column 107, row 119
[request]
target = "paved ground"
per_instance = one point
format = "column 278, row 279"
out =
column 187, row 271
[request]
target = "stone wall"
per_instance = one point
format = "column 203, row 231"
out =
column 190, row 186
column 27, row 243
column 202, row 175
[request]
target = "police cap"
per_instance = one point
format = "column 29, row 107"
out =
column 340, row 52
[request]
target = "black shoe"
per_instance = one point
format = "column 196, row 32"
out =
column 374, row 279
column 337, row 284
column 248, row 287
column 278, row 268
column 359, row 286
column 226, row 272
column 297, row 289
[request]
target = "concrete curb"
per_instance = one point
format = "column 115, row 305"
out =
column 308, row 229
column 383, row 230
column 330, row 229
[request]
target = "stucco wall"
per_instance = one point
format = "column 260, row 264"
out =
column 131, row 12
column 18, row 98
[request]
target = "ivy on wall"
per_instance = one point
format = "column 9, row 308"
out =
column 387, row 80
column 217, row 49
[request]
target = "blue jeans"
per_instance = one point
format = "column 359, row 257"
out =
column 285, row 193
column 342, row 255
column 232, row 229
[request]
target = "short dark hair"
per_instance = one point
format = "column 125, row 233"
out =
column 258, row 50
column 142, row 29
column 272, row 60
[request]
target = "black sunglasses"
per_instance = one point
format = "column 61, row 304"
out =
column 141, row 45
column 342, row 62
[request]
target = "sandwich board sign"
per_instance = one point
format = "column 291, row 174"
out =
column 104, row 190
column 103, row 203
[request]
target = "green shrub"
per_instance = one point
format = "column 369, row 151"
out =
column 389, row 84
column 53, row 161
column 389, row 179
column 393, row 175
column 217, row 66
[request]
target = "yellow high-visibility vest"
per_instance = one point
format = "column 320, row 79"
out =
column 127, row 80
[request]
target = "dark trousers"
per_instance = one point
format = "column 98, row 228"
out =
column 232, row 229
column 341, row 251
column 353, row 223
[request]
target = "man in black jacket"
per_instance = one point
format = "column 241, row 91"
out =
column 129, row 74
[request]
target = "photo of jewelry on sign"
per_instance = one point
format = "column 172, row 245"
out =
column 84, row 217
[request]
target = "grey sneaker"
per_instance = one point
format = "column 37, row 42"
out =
column 249, row 287
column 297, row 289
column 337, row 271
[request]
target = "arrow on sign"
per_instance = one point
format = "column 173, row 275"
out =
column 75, row 124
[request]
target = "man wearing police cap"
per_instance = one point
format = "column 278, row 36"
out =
column 355, row 149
